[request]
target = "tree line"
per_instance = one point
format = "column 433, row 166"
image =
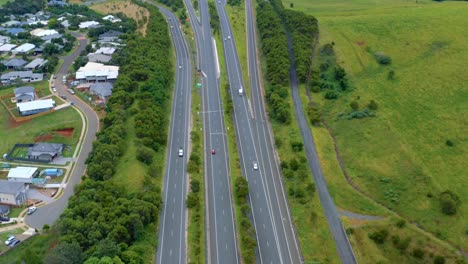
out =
column 104, row 221
column 275, row 48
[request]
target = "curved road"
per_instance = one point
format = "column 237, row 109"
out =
column 172, row 238
column 49, row 213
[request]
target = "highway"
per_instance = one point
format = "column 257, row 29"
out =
column 172, row 237
column 220, row 230
column 49, row 213
column 345, row 251
column 276, row 239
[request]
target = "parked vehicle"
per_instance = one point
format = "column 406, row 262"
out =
column 15, row 242
column 9, row 240
column 71, row 91
column 4, row 218
column 64, row 79
column 63, row 97
column 32, row 210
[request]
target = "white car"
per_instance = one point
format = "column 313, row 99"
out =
column 32, row 210
column 181, row 152
column 180, row 66
column 255, row 165
column 229, row 37
column 54, row 90
column 219, row 2
column 10, row 239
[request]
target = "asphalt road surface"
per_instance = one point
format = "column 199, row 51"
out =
column 172, row 239
column 220, row 228
column 276, row 239
column 343, row 246
column 49, row 213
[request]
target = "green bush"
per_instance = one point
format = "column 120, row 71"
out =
column 439, row 260
column 354, row 105
column 418, row 253
column 379, row 236
column 382, row 59
column 449, row 143
column 297, row 146
column 373, row 105
column 449, row 202
column 401, row 223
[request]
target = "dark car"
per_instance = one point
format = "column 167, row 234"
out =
column 4, row 218
column 63, row 97
column 14, row 242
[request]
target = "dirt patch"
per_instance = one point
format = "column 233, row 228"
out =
column 66, row 132
column 139, row 14
column 361, row 43
column 12, row 122
column 48, row 192
column 44, row 137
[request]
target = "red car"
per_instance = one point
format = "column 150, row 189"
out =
column 213, row 151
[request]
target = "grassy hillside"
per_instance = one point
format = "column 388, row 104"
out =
column 400, row 157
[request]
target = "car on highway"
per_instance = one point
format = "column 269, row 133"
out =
column 255, row 165
column 14, row 242
column 229, row 37
column 213, row 151
column 180, row 66
column 32, row 210
column 10, row 239
column 181, row 152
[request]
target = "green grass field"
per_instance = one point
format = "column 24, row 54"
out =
column 401, row 154
column 12, row 132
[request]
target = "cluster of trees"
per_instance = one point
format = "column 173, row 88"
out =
column 174, row 4
column 275, row 49
column 20, row 7
column 214, row 18
column 304, row 32
column 247, row 232
column 103, row 220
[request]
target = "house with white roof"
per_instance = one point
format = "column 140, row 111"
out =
column 39, row 32
column 97, row 72
column 22, row 174
column 35, row 107
column 112, row 18
column 88, row 24
column 106, row 50
column 24, row 48
column 7, row 47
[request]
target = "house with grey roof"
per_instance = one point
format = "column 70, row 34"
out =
column 13, row 193
column 45, row 151
column 97, row 57
column 15, row 63
column 24, row 94
column 25, row 76
column 110, row 36
column 35, row 64
column 4, row 39
column 51, row 36
column 102, row 90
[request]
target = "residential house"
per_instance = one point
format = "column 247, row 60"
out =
column 40, row 32
column 56, row 3
column 97, row 72
column 112, row 18
column 35, row 64
column 25, row 76
column 13, row 193
column 22, row 174
column 15, row 31
column 11, row 23
column 4, row 39
column 102, row 90
column 15, row 63
column 88, row 24
column 24, row 94
column 110, row 36
column 95, row 57
column 45, row 151
column 24, row 48
column 35, row 107
column 7, row 47
column 106, row 50
column 65, row 24
column 52, row 36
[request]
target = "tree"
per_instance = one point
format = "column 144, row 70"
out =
column 50, row 49
column 192, row 200
column 373, row 105
column 66, row 253
column 314, row 114
column 354, row 105
column 53, row 23
column 379, row 236
column 439, row 260
column 340, row 73
column 145, row 155
column 391, row 75
column 195, row 185
column 449, row 202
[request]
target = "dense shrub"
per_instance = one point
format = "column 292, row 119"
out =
column 449, row 202
column 439, row 260
column 382, row 58
column 418, row 253
column 379, row 236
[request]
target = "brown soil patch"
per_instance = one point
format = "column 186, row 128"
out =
column 66, row 132
column 12, row 122
column 139, row 14
column 45, row 137
column 361, row 43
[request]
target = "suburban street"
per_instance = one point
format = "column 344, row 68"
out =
column 49, row 213
column 276, row 239
column 220, row 225
column 172, row 238
column 345, row 251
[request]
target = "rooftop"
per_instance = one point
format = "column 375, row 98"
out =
column 15, row 62
column 33, row 105
column 10, row 187
column 35, row 63
column 24, row 89
column 22, row 172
